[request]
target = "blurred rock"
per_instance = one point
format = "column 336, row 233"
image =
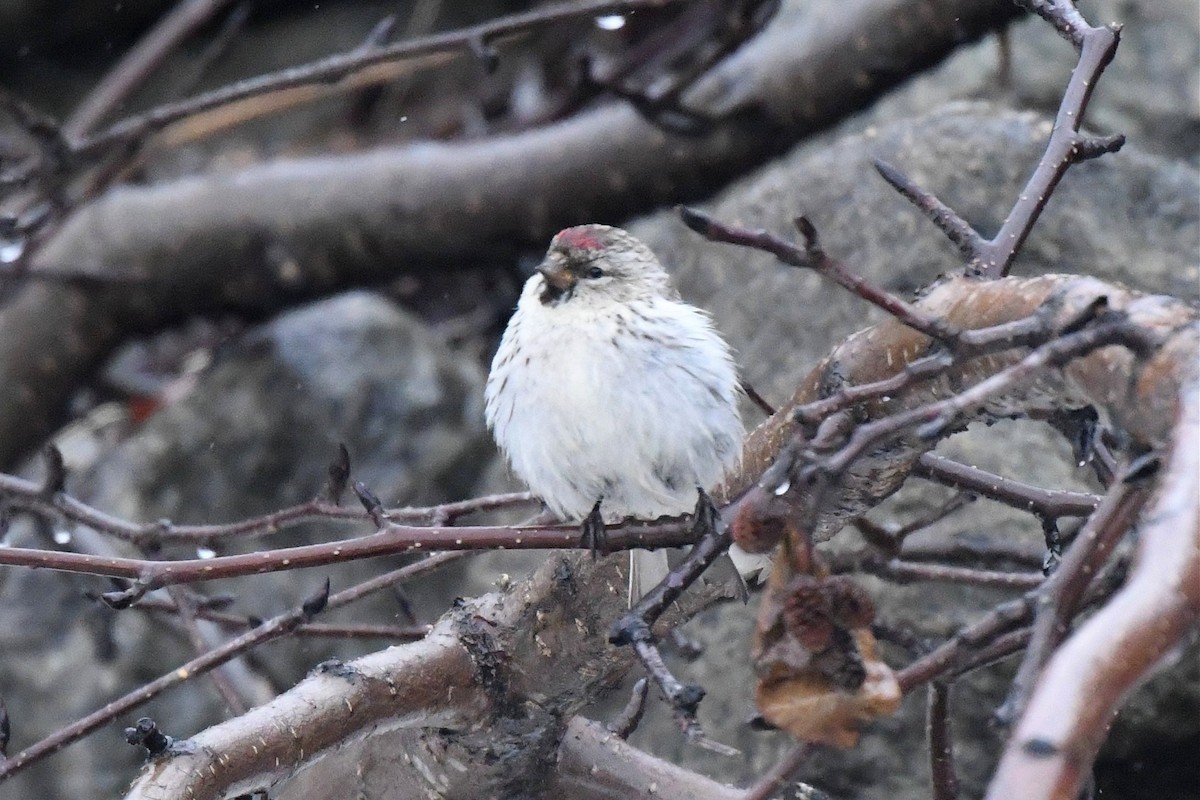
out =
column 255, row 435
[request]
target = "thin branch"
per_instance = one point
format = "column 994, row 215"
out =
column 813, row 257
column 24, row 495
column 139, row 63
column 1063, row 15
column 712, row 538
column 630, row 717
column 915, row 371
column 993, row 258
column 957, row 229
column 335, row 68
column 1046, row 503
column 1060, row 597
column 901, row 571
column 392, row 540
column 1000, row 648
column 941, row 747
column 779, row 774
column 186, row 610
column 273, row 628
column 952, row 654
column 891, row 539
column 400, row 633
column 1004, row 630
column 972, row 553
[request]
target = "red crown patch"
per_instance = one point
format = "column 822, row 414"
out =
column 579, row 238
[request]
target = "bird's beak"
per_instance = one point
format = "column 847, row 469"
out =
column 559, row 279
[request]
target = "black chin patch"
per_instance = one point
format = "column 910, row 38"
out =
column 551, row 295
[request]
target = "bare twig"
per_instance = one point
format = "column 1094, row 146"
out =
column 392, row 540
column 634, row 627
column 992, row 258
column 812, row 256
column 1046, row 503
column 344, row 65
column 186, row 611
column 138, row 64
column 891, row 539
column 779, row 774
column 906, row 572
column 917, row 370
column 941, row 747
column 315, row 629
column 627, row 721
column 1004, row 630
column 1060, row 598
column 24, row 495
column 957, row 230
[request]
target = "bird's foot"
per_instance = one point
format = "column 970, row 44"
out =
column 593, row 533
column 704, row 518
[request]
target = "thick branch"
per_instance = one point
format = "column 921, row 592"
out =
column 200, row 242
column 542, row 638
column 595, row 764
column 1051, row 750
column 432, row 683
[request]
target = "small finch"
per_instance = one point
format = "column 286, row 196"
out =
column 608, row 387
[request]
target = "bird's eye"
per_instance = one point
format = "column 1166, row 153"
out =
column 595, row 272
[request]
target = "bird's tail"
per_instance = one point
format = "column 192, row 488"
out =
column 753, row 567
column 647, row 568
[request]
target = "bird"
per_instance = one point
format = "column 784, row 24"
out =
column 607, row 387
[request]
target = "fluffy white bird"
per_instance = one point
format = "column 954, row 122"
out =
column 608, row 386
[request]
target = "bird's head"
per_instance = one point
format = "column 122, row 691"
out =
column 597, row 263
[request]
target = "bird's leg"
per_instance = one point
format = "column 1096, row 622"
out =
column 712, row 539
column 634, row 627
column 593, row 533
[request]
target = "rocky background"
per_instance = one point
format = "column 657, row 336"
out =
column 395, row 371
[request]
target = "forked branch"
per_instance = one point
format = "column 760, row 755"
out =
column 993, row 258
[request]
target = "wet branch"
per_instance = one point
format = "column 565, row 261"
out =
column 992, row 258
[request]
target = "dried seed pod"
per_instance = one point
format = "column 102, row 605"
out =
column 806, row 613
column 841, row 661
column 757, row 528
column 849, row 603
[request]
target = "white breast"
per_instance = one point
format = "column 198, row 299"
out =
column 635, row 403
